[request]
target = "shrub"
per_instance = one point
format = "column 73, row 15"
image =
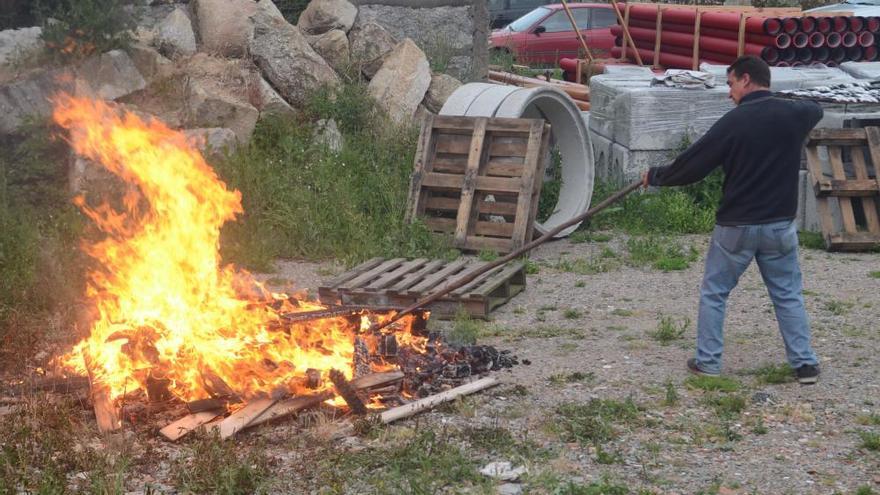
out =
column 79, row 28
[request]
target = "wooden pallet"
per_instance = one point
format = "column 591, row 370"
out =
column 399, row 282
column 844, row 165
column 478, row 179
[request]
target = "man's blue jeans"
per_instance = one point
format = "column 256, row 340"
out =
column 775, row 247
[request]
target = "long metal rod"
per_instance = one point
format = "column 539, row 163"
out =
column 449, row 287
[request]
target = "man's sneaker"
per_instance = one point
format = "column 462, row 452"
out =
column 807, row 374
column 694, row 368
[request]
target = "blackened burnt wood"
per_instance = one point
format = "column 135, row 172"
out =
column 347, row 392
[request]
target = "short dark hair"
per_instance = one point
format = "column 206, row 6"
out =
column 757, row 69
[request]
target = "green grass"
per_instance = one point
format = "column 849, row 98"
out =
column 551, row 187
column 587, row 266
column 465, row 329
column 80, row 28
column 870, row 440
column 872, row 419
column 773, row 373
column 874, row 274
column 574, row 377
column 582, row 236
column 661, row 253
column 572, row 314
column 595, row 421
column 671, row 397
column 301, row 202
column 622, row 312
column 811, row 240
column 726, row 406
column 669, row 330
column 215, row 466
column 712, row 383
column 838, row 308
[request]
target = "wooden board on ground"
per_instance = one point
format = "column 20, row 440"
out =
column 407, row 282
column 188, row 423
column 478, row 180
column 844, row 166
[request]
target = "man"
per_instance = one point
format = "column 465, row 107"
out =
column 758, row 144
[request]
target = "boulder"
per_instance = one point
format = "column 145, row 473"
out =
column 400, row 85
column 327, row 134
column 442, row 85
column 287, row 61
column 111, row 75
column 271, row 103
column 268, row 7
column 149, row 62
column 369, row 43
column 333, row 47
column 18, row 43
column 212, row 141
column 321, row 16
column 225, row 27
column 175, row 35
column 206, row 109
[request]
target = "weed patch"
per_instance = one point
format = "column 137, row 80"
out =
column 874, row 274
column 574, row 377
column 215, row 466
column 872, row 419
column 668, row 330
column 773, row 373
column 838, row 308
column 572, row 314
column 726, row 406
column 660, row 253
column 671, row 398
column 464, row 329
column 594, row 421
column 587, row 266
column 811, row 240
column 582, row 236
column 870, row 440
column 79, row 28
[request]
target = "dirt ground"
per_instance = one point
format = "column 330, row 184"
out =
column 593, row 337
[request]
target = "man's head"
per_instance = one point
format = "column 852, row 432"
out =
column 747, row 74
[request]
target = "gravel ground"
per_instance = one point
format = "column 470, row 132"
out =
column 788, row 439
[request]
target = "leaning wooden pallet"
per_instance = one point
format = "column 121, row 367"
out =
column 478, row 179
column 399, row 282
column 843, row 164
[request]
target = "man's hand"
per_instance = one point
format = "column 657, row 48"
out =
column 645, row 179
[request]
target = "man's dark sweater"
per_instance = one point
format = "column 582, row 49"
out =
column 758, row 144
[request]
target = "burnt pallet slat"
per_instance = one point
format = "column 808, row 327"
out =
column 845, row 168
column 478, row 179
column 402, row 287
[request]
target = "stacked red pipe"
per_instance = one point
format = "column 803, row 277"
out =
column 780, row 41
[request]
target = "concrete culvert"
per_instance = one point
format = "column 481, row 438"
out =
column 569, row 133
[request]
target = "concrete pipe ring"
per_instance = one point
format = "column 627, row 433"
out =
column 568, row 132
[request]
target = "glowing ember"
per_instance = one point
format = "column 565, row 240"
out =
column 167, row 308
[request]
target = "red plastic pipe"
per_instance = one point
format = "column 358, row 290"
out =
column 823, row 24
column 849, row 39
column 797, row 63
column 856, row 23
column 838, row 54
column 873, row 24
column 723, row 20
column 790, row 25
column 816, row 40
column 804, row 55
column 787, row 55
column 832, row 40
column 808, row 24
column 821, row 54
column 839, row 24
column 781, row 40
column 670, row 60
column 707, row 43
column 866, row 38
column 782, row 64
column 854, row 53
column 869, row 53
column 800, row 40
column 707, row 56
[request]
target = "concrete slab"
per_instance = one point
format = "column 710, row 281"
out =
column 862, row 70
column 627, row 165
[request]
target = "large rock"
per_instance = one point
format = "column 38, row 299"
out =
column 175, row 35
column 269, row 8
column 149, row 62
column 28, row 97
column 271, row 103
column 225, row 26
column 205, row 109
column 213, row 141
column 111, row 75
column 401, row 83
column 333, row 47
column 19, row 43
column 287, row 61
column 323, row 15
column 442, row 86
column 370, row 42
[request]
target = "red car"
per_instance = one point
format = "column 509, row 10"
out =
column 545, row 35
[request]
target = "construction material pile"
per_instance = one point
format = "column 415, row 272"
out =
column 785, row 41
column 854, row 92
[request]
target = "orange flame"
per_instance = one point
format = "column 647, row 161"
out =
column 167, row 308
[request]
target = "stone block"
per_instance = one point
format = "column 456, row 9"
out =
column 627, row 165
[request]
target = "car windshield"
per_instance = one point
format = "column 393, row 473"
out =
column 527, row 20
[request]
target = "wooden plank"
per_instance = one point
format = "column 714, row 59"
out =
column 854, row 241
column 365, row 277
column 463, row 223
column 522, row 224
column 344, row 277
column 430, row 281
column 869, row 205
column 454, row 279
column 486, row 207
column 837, row 137
column 873, row 136
column 464, row 289
column 188, row 423
column 240, row 419
column 485, row 184
column 500, row 278
column 851, row 188
column 433, row 401
column 814, row 163
column 481, row 228
column 458, row 144
column 376, row 380
column 424, row 152
column 417, row 277
column 393, row 275
column 482, row 243
column 846, row 210
column 291, row 406
column 450, row 164
column 496, row 124
column 509, row 146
